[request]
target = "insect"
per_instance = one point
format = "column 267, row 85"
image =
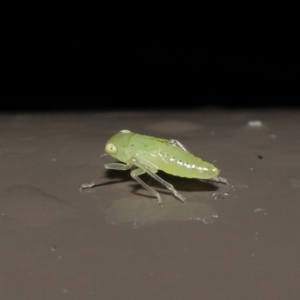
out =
column 149, row 154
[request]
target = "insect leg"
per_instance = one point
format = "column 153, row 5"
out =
column 137, row 172
column 217, row 179
column 178, row 144
column 117, row 166
column 151, row 171
column 91, row 184
column 112, row 166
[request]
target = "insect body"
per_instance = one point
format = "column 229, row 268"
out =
column 149, row 154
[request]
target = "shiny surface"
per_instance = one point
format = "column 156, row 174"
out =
column 113, row 242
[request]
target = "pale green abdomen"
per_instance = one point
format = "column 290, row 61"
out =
column 175, row 161
column 185, row 164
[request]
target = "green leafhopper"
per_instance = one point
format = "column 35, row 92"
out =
column 150, row 154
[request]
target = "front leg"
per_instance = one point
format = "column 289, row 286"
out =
column 118, row 166
column 135, row 175
column 111, row 166
column 151, row 171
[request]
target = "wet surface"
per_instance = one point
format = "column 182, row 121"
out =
column 235, row 241
column 141, row 212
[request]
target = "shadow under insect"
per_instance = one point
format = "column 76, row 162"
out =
column 179, row 183
column 143, row 210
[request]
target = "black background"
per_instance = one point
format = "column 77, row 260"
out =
column 93, row 70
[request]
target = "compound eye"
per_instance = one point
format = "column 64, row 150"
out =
column 110, row 149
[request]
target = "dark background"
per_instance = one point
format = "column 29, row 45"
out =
column 88, row 70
